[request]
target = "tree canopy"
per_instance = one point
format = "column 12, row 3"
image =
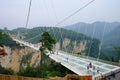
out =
column 117, row 49
column 47, row 41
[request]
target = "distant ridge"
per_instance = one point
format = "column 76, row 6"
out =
column 87, row 29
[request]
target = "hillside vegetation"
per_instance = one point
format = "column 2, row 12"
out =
column 111, row 41
column 5, row 40
column 68, row 40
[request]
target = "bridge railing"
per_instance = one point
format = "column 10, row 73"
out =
column 100, row 60
column 91, row 58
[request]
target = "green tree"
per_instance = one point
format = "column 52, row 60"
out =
column 117, row 49
column 1, row 36
column 6, row 71
column 47, row 43
column 29, row 71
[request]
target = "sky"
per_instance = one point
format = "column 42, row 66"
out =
column 13, row 13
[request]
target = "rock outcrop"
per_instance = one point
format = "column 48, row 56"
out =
column 14, row 58
column 72, row 46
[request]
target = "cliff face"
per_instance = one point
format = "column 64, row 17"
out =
column 16, row 58
column 72, row 46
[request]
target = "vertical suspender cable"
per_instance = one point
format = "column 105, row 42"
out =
column 45, row 5
column 91, row 41
column 54, row 11
column 52, row 5
column 85, row 34
column 100, row 46
column 60, row 29
column 49, row 17
column 77, row 33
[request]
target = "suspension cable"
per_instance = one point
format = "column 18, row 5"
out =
column 52, row 5
column 27, row 20
column 66, row 18
column 30, row 4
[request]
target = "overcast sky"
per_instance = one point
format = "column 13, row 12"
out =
column 48, row 12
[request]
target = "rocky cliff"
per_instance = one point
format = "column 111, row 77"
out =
column 72, row 46
column 17, row 58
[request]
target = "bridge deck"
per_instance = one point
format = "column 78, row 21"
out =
column 79, row 65
column 34, row 46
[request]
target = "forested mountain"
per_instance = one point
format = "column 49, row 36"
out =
column 67, row 40
column 111, row 41
column 88, row 29
column 6, row 40
column 111, row 36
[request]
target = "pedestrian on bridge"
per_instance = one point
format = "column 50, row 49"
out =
column 67, row 59
column 93, row 67
column 93, row 70
column 90, row 65
column 97, row 69
column 87, row 67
